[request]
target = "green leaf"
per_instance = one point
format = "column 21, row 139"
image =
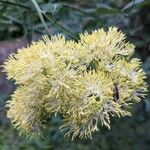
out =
column 135, row 4
column 104, row 9
column 51, row 7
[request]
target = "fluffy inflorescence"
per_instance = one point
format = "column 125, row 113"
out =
column 86, row 82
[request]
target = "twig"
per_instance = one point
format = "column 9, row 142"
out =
column 39, row 11
column 60, row 27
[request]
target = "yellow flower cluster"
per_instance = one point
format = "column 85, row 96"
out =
column 86, row 82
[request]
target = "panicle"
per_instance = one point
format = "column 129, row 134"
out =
column 86, row 82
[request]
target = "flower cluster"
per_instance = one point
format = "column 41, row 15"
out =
column 86, row 82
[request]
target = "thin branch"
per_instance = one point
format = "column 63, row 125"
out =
column 39, row 11
column 60, row 27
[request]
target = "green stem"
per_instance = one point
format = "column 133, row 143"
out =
column 39, row 11
column 60, row 27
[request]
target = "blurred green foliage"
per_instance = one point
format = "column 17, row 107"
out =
column 20, row 18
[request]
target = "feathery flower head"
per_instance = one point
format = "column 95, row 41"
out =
column 86, row 82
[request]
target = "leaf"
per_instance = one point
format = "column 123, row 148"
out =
column 51, row 7
column 104, row 9
column 135, row 3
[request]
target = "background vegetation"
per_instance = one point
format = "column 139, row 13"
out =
column 22, row 21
